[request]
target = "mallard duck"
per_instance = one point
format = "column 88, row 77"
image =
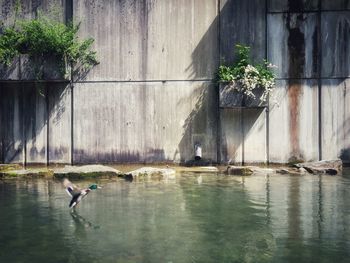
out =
column 76, row 193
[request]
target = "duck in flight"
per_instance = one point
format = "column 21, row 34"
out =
column 76, row 193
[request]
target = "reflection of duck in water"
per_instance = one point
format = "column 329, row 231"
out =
column 76, row 193
column 82, row 222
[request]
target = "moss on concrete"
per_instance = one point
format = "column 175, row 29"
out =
column 26, row 173
column 9, row 167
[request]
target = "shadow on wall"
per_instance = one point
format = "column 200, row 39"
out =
column 344, row 133
column 198, row 127
column 26, row 108
column 201, row 126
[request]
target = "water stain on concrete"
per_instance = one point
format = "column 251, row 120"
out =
column 296, row 51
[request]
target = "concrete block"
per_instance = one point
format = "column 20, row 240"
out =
column 335, row 120
column 12, row 124
column 335, row 44
column 254, row 128
column 144, row 122
column 35, row 125
column 251, row 32
column 292, row 44
column 293, row 122
column 59, row 116
column 151, row 40
column 231, row 137
column 10, row 72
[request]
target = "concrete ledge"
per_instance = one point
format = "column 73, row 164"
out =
column 86, row 171
column 154, row 173
column 27, row 173
column 9, row 167
column 331, row 167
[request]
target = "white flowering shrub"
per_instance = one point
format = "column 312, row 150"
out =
column 247, row 77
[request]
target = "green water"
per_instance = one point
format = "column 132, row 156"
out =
column 211, row 218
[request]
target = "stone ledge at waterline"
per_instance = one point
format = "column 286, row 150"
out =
column 330, row 167
column 9, row 167
column 154, row 172
column 85, row 171
column 26, row 173
column 248, row 170
column 72, row 172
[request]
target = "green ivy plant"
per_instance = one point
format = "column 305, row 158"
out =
column 248, row 77
column 42, row 37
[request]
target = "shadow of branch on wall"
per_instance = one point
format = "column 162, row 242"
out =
column 195, row 126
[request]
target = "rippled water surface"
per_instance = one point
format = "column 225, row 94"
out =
column 195, row 218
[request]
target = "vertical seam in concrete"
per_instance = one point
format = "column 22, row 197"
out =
column 47, row 125
column 1, row 129
column 24, row 116
column 71, row 123
column 218, row 125
column 69, row 12
column 242, row 132
column 24, row 124
column 319, row 82
column 267, row 109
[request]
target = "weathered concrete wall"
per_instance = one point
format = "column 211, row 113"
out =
column 12, row 122
column 30, row 8
column 59, row 119
column 26, row 109
column 336, row 118
column 144, row 122
column 152, row 96
column 294, row 121
column 309, row 43
column 242, row 132
column 151, row 39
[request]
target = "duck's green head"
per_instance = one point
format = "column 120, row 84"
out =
column 93, row 187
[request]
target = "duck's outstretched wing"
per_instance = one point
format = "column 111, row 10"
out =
column 75, row 200
column 71, row 188
column 77, row 197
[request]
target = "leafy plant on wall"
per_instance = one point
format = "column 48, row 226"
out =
column 43, row 37
column 247, row 77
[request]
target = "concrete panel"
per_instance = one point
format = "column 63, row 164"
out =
column 254, row 127
column 10, row 72
column 59, row 97
column 336, row 119
column 242, row 24
column 1, row 128
column 293, row 122
column 231, row 137
column 336, row 5
column 335, row 44
column 11, row 103
column 151, row 39
column 35, row 122
column 292, row 5
column 29, row 9
column 144, row 122
column 292, row 44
